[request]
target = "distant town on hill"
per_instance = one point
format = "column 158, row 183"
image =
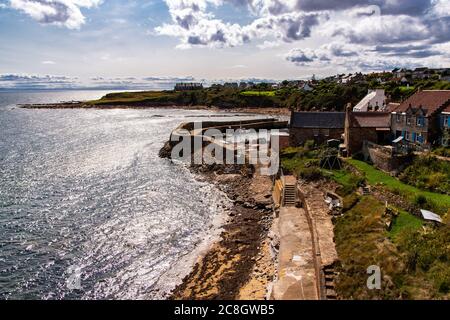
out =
column 327, row 94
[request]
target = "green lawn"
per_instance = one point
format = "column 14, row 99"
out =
column 404, row 221
column 375, row 176
column 258, row 93
column 407, row 89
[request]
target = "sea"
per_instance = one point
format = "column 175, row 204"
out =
column 87, row 208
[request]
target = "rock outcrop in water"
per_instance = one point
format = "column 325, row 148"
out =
column 166, row 151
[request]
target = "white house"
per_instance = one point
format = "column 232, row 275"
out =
column 375, row 100
column 306, row 87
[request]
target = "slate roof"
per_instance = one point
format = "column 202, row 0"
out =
column 318, row 120
column 430, row 101
column 371, row 119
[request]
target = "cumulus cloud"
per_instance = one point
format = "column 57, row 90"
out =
column 334, row 52
column 369, row 23
column 195, row 25
column 57, row 12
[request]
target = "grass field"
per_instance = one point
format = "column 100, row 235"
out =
column 134, row 97
column 404, row 221
column 258, row 93
column 375, row 176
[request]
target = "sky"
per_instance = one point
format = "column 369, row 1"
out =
column 113, row 43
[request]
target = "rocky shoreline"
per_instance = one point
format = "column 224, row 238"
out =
column 240, row 265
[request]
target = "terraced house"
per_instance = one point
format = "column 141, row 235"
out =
column 420, row 118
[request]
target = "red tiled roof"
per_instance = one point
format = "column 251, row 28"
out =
column 430, row 101
column 371, row 119
column 391, row 107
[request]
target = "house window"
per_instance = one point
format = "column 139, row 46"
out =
column 316, row 132
column 407, row 135
column 408, row 120
column 447, row 121
column 420, row 121
column 326, row 132
column 419, row 138
column 398, row 117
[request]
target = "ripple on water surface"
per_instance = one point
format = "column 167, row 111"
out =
column 88, row 210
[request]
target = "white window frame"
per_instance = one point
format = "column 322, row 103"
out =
column 423, row 121
column 408, row 120
column 418, row 135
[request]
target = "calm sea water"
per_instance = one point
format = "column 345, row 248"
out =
column 87, row 209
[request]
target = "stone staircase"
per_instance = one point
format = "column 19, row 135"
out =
column 365, row 191
column 290, row 192
column 330, row 289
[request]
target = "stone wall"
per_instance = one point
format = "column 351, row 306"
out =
column 384, row 159
column 357, row 136
column 298, row 136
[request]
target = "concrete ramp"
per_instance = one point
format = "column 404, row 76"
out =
column 296, row 269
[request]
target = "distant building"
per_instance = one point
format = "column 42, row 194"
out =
column 374, row 101
column 186, row 86
column 418, row 118
column 233, row 85
column 243, row 85
column 306, row 87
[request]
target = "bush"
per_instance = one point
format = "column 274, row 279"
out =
column 420, row 200
column 311, row 174
column 309, row 145
column 350, row 201
column 443, row 152
column 440, row 274
column 428, row 173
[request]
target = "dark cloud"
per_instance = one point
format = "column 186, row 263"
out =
column 439, row 29
column 299, row 56
column 388, row 7
column 413, row 51
column 298, row 29
column 195, row 40
column 186, row 21
column 340, row 51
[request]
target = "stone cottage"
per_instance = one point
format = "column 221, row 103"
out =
column 316, row 126
column 373, row 127
column 351, row 127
